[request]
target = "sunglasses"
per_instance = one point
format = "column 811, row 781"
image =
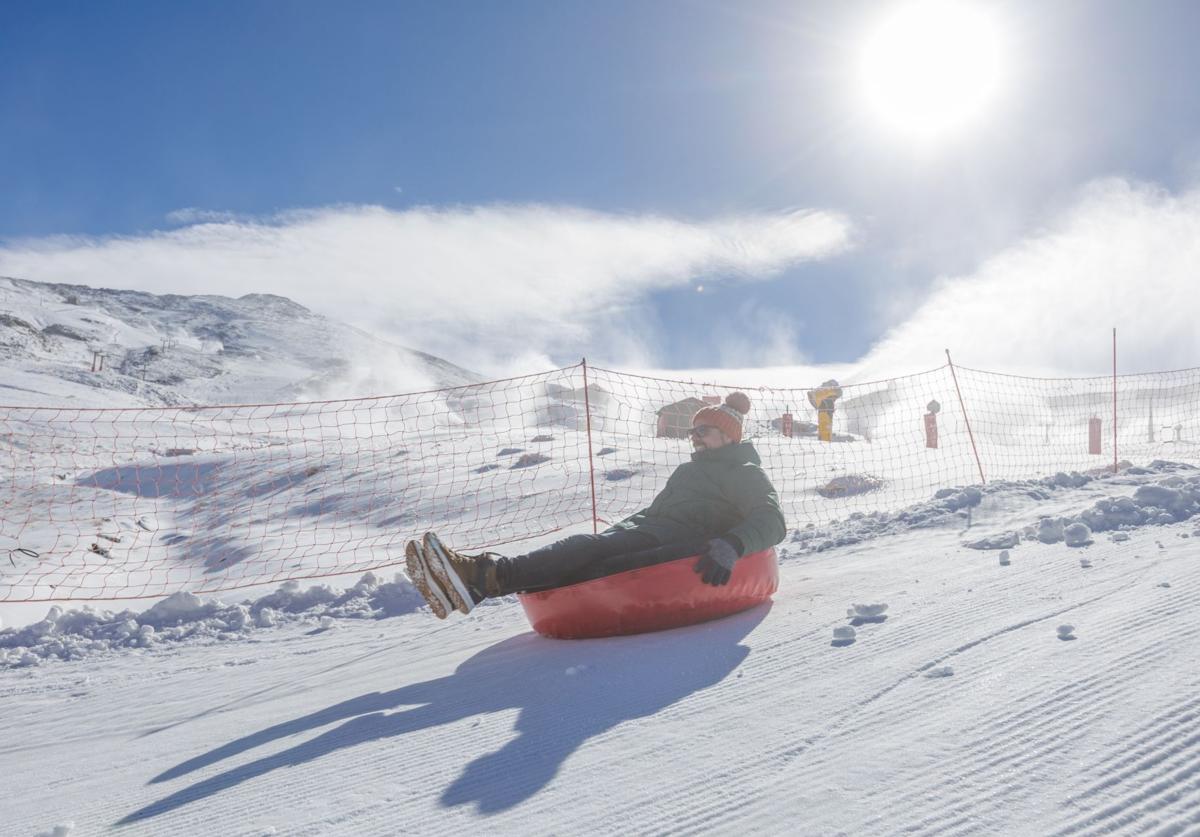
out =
column 701, row 430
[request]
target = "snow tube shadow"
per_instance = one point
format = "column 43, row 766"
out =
column 666, row 595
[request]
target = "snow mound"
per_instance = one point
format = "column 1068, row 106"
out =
column 74, row 634
column 1173, row 498
column 1165, row 492
column 949, row 506
column 850, row 485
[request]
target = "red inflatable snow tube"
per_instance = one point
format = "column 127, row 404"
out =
column 654, row 598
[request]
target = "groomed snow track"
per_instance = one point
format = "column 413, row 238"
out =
column 757, row 723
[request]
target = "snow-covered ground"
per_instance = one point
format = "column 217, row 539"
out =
column 963, row 707
column 942, row 657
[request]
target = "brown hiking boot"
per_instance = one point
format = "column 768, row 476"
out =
column 465, row 579
column 419, row 575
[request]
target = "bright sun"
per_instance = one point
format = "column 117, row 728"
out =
column 931, row 67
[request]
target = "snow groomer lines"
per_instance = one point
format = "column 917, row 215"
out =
column 144, row 502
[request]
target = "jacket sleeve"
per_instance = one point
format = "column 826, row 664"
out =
column 757, row 502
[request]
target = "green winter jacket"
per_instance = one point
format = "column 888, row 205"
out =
column 720, row 493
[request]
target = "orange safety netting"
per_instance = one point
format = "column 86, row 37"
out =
column 107, row 504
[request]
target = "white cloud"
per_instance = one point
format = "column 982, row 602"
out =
column 758, row 336
column 191, row 215
column 1126, row 255
column 484, row 286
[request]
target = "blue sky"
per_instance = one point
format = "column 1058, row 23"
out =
column 114, row 117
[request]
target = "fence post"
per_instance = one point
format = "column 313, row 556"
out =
column 963, row 407
column 587, row 411
column 1115, row 468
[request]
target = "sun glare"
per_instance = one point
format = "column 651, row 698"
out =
column 931, row 67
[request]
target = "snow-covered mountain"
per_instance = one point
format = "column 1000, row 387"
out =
column 172, row 349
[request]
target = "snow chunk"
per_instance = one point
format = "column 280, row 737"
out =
column 1113, row 513
column 1071, row 480
column 940, row 671
column 954, row 499
column 1005, row 540
column 1171, row 501
column 58, row 830
column 1004, row 562
column 1077, row 534
column 844, row 633
column 1050, row 529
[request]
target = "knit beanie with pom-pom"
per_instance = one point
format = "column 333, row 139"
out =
column 727, row 417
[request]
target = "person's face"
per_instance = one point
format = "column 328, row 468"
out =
column 708, row 437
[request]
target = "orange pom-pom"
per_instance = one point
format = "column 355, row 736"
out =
column 738, row 401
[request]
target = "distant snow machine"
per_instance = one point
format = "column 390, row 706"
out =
column 653, row 598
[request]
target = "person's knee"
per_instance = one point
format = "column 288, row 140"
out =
column 565, row 547
column 574, row 542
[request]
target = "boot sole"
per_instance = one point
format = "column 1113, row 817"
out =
column 422, row 580
column 443, row 573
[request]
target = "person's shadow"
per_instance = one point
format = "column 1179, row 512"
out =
column 566, row 691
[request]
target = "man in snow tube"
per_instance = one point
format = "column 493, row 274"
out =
column 719, row 504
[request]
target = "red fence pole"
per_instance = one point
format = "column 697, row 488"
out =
column 587, row 409
column 963, row 407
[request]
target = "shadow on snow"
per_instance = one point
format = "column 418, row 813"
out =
column 566, row 691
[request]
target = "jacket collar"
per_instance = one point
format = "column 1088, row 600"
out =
column 738, row 453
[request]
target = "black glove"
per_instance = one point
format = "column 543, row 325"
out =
column 716, row 564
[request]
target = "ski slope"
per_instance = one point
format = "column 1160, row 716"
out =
column 958, row 710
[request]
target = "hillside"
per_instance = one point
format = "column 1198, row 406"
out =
column 173, row 349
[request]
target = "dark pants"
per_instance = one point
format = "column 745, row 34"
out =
column 583, row 557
